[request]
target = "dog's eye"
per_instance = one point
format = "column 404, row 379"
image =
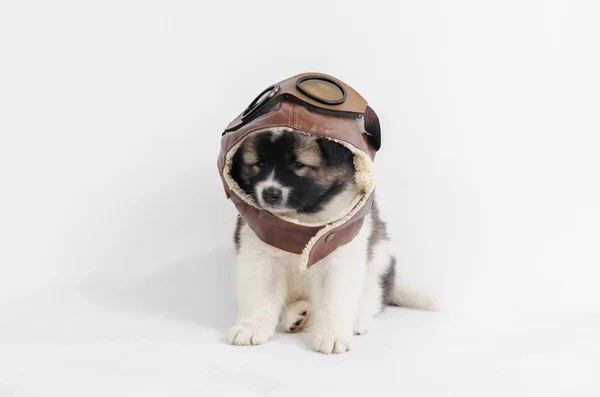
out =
column 260, row 164
column 297, row 165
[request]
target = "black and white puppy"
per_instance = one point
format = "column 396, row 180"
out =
column 310, row 179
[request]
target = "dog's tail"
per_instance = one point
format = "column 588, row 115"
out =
column 405, row 295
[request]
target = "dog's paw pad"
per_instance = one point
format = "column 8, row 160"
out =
column 248, row 335
column 298, row 324
column 295, row 317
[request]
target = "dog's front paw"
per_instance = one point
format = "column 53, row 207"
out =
column 329, row 343
column 364, row 317
column 248, row 335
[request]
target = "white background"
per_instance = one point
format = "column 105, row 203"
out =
column 110, row 120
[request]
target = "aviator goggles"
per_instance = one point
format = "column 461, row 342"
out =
column 315, row 91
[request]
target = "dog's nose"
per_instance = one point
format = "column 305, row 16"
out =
column 271, row 195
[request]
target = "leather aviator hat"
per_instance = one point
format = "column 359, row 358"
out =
column 308, row 103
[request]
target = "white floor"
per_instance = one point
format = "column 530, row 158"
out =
column 110, row 121
column 165, row 336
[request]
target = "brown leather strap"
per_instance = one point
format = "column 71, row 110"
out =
column 291, row 237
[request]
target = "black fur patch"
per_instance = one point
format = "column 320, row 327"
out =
column 387, row 283
column 334, row 153
column 316, row 205
column 237, row 234
column 378, row 231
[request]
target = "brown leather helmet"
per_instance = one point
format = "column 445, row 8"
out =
column 313, row 103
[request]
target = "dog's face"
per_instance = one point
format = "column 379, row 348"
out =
column 287, row 171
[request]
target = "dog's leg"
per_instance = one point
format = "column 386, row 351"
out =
column 336, row 288
column 261, row 288
column 368, row 306
column 379, row 282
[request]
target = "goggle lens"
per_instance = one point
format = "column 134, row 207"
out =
column 260, row 100
column 318, row 88
column 322, row 89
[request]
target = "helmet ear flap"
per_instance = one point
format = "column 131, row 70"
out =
column 372, row 128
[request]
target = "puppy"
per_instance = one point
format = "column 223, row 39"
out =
column 310, row 179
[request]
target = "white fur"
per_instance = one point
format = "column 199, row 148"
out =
column 341, row 292
column 275, row 134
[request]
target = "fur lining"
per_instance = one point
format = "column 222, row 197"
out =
column 364, row 180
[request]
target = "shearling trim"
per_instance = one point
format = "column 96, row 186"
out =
column 303, row 264
column 364, row 180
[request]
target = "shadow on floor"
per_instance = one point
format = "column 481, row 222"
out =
column 200, row 290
